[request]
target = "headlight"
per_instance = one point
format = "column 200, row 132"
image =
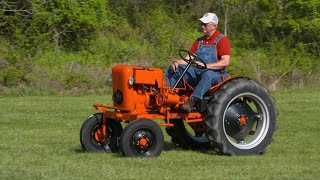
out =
column 131, row 81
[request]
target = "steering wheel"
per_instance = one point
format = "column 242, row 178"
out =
column 193, row 61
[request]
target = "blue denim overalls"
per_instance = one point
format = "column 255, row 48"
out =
column 202, row 79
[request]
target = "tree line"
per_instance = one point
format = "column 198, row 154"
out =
column 71, row 45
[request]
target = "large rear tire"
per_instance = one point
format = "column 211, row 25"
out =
column 241, row 118
column 89, row 132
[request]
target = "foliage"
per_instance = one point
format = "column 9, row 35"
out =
column 271, row 40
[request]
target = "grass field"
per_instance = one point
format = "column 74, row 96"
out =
column 40, row 140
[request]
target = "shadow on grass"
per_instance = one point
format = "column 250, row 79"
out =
column 78, row 150
column 168, row 146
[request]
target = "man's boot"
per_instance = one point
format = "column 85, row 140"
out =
column 189, row 105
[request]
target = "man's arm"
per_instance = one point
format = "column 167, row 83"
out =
column 224, row 62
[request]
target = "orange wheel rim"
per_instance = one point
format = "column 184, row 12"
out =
column 100, row 136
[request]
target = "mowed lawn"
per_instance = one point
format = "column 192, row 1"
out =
column 40, row 140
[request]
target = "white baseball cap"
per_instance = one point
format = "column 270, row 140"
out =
column 210, row 17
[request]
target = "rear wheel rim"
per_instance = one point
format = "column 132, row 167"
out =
column 259, row 122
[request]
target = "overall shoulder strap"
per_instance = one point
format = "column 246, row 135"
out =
column 201, row 40
column 217, row 39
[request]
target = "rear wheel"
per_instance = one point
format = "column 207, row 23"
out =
column 188, row 136
column 241, row 118
column 142, row 138
column 92, row 138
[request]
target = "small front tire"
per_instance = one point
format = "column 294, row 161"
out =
column 142, row 138
column 92, row 126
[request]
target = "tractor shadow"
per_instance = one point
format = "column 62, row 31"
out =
column 78, row 150
column 168, row 146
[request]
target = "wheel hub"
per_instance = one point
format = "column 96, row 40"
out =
column 239, row 120
column 142, row 141
column 243, row 120
column 100, row 136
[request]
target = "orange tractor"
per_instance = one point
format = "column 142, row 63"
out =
column 235, row 117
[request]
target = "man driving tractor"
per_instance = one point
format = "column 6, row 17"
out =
column 214, row 49
column 236, row 116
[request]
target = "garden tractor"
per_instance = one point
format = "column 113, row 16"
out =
column 235, row 117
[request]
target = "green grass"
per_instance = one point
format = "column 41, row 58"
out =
column 40, row 140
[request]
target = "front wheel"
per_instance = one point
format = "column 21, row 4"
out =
column 142, row 138
column 241, row 118
column 92, row 138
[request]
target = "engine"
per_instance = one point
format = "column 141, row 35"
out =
column 133, row 86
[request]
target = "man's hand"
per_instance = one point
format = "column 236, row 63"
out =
column 174, row 65
column 200, row 64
